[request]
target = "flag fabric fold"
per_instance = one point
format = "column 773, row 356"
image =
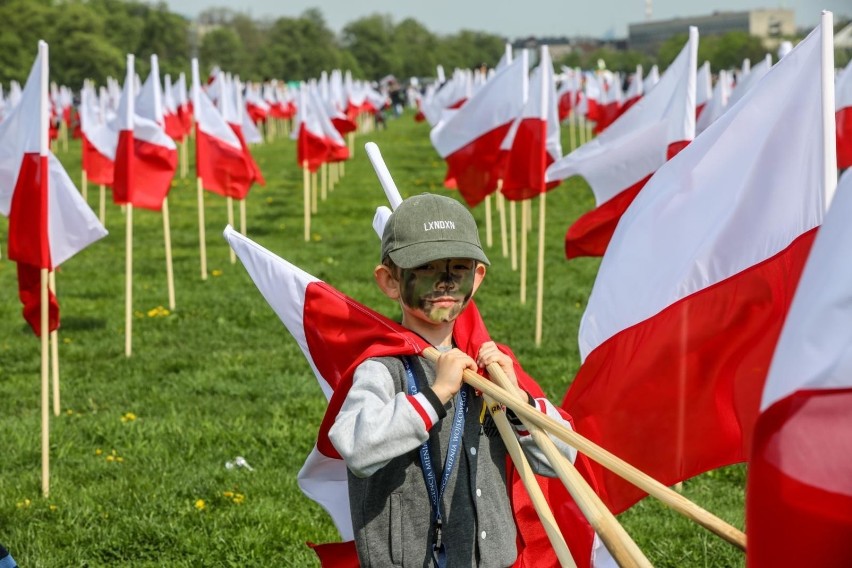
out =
column 692, row 292
column 48, row 220
column 799, row 493
column 336, row 333
column 843, row 117
column 470, row 139
column 618, row 162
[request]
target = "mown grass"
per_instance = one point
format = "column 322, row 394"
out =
column 220, row 377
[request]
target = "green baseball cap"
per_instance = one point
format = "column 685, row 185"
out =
column 429, row 227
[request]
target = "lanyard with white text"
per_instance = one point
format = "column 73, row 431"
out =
column 439, row 554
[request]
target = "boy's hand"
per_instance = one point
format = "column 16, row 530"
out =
column 489, row 353
column 448, row 376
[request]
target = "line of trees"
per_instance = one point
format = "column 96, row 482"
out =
column 90, row 38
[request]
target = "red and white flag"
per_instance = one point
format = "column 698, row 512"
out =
column 691, row 294
column 219, row 158
column 48, row 220
column 470, row 139
column 232, row 109
column 634, row 90
column 312, row 146
column 336, row 333
column 799, row 493
column 145, row 158
column 717, row 104
column 843, row 117
column 703, row 88
column 173, row 123
column 535, row 140
column 618, row 163
column 98, row 139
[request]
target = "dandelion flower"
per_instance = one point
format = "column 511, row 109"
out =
column 200, row 504
column 216, row 272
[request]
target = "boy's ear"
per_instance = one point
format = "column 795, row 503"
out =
column 478, row 276
column 386, row 282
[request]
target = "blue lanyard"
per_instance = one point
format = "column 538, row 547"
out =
column 439, row 554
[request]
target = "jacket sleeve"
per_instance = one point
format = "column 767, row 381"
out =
column 376, row 424
column 538, row 461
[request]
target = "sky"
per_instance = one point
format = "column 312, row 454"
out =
column 516, row 19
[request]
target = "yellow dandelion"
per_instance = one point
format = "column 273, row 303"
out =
column 66, row 340
column 316, row 237
column 128, row 417
column 239, row 498
column 119, row 459
column 228, row 494
column 98, row 452
column 24, row 504
column 53, row 507
column 216, row 272
column 69, row 412
column 138, row 314
column 110, row 458
column 200, row 504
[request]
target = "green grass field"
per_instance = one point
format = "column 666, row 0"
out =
column 142, row 442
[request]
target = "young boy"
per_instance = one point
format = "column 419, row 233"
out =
column 427, row 469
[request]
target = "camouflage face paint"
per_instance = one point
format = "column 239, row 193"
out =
column 439, row 289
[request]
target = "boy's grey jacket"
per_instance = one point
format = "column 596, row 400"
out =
column 378, row 432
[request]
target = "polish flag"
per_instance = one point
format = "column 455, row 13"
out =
column 843, row 117
column 610, row 105
column 749, row 79
column 99, row 141
column 145, row 158
column 231, row 106
column 536, row 142
column 312, row 146
column 173, row 123
column 717, row 104
column 592, row 94
column 618, row 163
column 691, row 294
column 703, row 88
column 184, row 104
column 651, row 79
column 336, row 334
column 219, row 158
column 338, row 150
column 48, row 220
column 470, row 139
column 799, row 493
column 567, row 95
column 634, row 90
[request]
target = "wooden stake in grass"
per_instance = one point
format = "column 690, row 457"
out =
column 84, row 186
column 128, row 282
column 102, row 205
column 306, row 194
column 513, row 229
column 539, row 293
column 243, row 215
column 489, row 236
column 324, row 181
column 572, row 134
column 314, row 192
column 167, row 238
column 501, row 209
column 230, row 201
column 202, row 233
column 184, row 158
column 45, row 386
column 54, row 352
column 524, row 230
column 351, row 138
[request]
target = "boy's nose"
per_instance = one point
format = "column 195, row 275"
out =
column 445, row 282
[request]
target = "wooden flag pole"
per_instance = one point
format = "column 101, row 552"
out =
column 581, row 126
column 527, row 476
column 572, row 134
column 202, row 236
column 230, row 201
column 54, row 352
column 501, row 209
column 616, row 539
column 332, row 175
column 128, row 282
column 513, row 229
column 314, row 192
column 84, row 186
column 324, row 181
column 643, row 481
column 524, row 230
column 341, row 166
column 243, row 215
column 102, row 205
column 351, row 138
column 167, row 238
column 306, row 193
column 489, row 236
column 184, row 158
column 539, row 293
column 45, row 386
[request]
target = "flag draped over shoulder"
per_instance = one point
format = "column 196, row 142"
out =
column 470, row 138
column 799, row 496
column 336, row 334
column 618, row 163
column 48, row 220
column 843, row 117
column 692, row 291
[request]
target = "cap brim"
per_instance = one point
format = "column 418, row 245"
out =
column 421, row 253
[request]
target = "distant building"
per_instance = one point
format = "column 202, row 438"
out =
column 769, row 25
column 562, row 46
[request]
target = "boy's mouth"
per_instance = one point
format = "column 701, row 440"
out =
column 443, row 301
